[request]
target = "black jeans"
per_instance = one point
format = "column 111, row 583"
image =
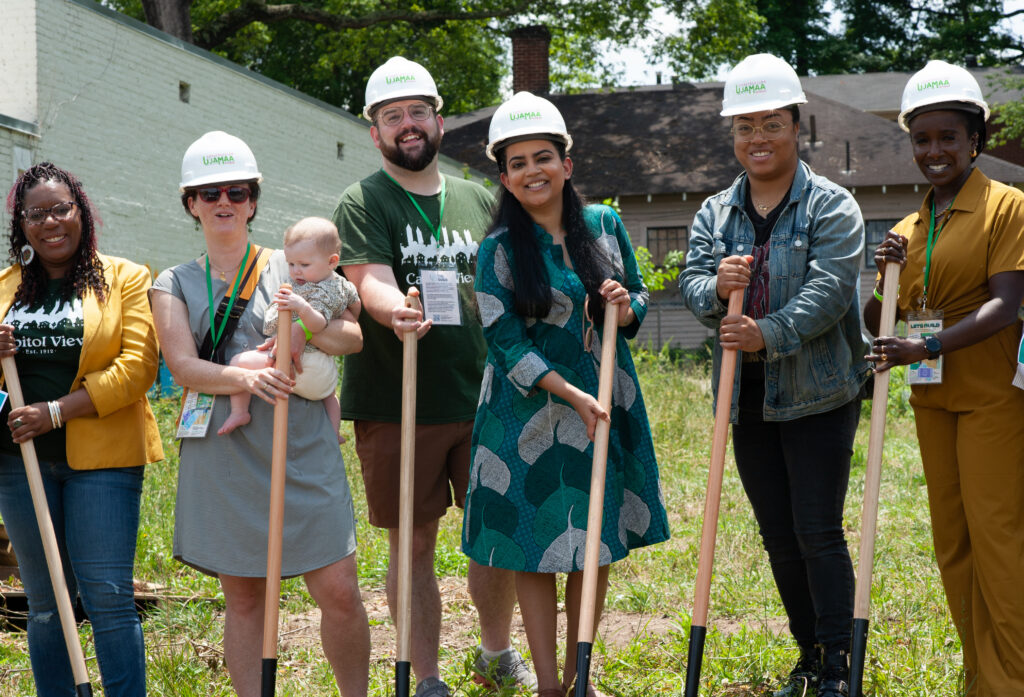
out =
column 796, row 474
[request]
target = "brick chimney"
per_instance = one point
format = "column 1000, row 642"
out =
column 530, row 59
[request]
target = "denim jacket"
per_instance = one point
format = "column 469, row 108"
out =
column 812, row 333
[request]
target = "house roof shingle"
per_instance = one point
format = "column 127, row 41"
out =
column 669, row 140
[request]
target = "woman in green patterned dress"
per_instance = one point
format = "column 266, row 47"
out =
column 532, row 450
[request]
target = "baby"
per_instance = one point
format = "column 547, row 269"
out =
column 312, row 248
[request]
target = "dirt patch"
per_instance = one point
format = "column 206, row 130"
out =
column 459, row 629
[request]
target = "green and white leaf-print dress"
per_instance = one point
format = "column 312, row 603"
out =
column 530, row 475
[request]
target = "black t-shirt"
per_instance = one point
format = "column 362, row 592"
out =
column 757, row 299
column 49, row 336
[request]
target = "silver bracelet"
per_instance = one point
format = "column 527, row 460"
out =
column 56, row 419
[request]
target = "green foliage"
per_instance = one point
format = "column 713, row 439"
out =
column 722, row 32
column 642, row 645
column 657, row 277
column 467, row 49
column 872, row 35
column 1010, row 116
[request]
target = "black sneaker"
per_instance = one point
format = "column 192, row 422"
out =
column 835, row 675
column 803, row 678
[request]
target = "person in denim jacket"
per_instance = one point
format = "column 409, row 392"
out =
column 793, row 241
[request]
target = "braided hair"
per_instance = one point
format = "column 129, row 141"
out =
column 86, row 272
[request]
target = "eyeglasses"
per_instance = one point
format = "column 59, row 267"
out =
column 236, row 194
column 38, row 216
column 769, row 129
column 394, row 115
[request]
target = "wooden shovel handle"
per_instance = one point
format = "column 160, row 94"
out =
column 713, row 498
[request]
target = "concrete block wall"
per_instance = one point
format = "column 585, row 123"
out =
column 111, row 111
column 18, row 59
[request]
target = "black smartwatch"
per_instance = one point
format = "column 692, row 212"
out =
column 933, row 346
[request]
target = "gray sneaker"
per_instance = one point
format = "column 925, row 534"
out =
column 432, row 687
column 507, row 669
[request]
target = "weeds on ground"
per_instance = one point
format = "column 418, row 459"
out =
column 912, row 647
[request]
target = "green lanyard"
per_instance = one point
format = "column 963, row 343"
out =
column 216, row 333
column 933, row 236
column 435, row 231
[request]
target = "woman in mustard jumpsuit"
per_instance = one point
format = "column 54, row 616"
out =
column 963, row 255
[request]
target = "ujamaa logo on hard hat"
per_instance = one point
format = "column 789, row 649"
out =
column 932, row 85
column 755, row 87
column 227, row 159
column 520, row 115
column 397, row 79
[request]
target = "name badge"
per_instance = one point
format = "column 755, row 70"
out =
column 440, row 289
column 196, row 412
column 921, row 325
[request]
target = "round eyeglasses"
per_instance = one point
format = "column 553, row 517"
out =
column 393, row 116
column 770, row 130
column 60, row 211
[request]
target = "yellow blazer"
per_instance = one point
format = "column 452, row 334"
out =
column 117, row 365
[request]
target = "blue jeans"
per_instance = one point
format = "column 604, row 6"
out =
column 96, row 518
column 796, row 474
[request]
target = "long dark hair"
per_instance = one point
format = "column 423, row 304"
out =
column 532, row 284
column 86, row 272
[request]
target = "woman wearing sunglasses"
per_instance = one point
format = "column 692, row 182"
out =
column 546, row 274
column 208, row 310
column 78, row 325
column 792, row 240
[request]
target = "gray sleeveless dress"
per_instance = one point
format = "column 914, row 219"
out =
column 221, row 512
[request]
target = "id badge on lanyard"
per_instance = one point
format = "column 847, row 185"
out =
column 196, row 413
column 927, row 322
column 440, row 288
column 921, row 325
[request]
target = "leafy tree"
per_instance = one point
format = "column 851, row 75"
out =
column 328, row 48
column 872, row 35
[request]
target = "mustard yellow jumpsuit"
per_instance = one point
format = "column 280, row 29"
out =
column 971, row 432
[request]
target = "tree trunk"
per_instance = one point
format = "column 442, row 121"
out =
column 171, row 16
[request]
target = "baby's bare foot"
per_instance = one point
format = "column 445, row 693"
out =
column 234, row 420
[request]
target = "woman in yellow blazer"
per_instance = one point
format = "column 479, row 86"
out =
column 79, row 326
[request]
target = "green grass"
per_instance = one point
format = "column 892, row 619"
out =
column 912, row 646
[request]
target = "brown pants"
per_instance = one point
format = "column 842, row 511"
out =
column 974, row 465
column 441, row 470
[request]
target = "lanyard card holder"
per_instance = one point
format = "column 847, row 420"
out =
column 196, row 411
column 440, row 287
column 921, row 325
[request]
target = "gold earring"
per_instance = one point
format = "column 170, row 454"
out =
column 974, row 153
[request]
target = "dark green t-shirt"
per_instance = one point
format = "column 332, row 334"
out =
column 49, row 336
column 379, row 224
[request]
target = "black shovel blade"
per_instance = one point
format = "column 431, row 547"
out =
column 402, row 672
column 268, row 677
column 583, row 651
column 858, row 652
column 694, row 658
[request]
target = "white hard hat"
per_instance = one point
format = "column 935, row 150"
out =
column 761, row 82
column 397, row 79
column 217, row 157
column 524, row 116
column 941, row 82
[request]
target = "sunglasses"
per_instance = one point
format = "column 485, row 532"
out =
column 236, row 194
column 38, row 216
